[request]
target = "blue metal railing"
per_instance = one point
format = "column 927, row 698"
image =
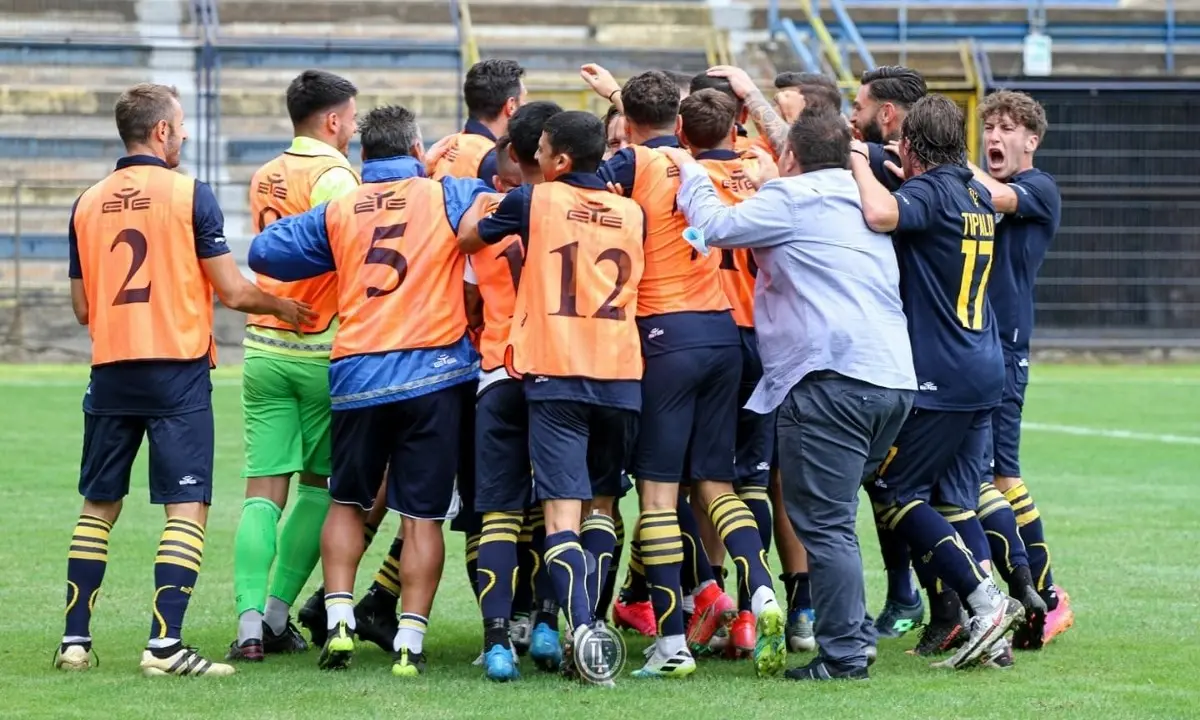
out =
column 851, row 34
column 807, row 59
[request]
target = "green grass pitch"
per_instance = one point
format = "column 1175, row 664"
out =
column 1110, row 455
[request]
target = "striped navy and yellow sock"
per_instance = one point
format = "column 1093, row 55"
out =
column 697, row 568
column 966, row 523
column 87, row 559
column 1029, row 523
column 567, row 566
column 1000, row 525
column 662, row 559
column 472, row 562
column 739, row 531
column 527, row 560
column 176, row 568
column 387, row 578
column 799, row 592
column 931, row 536
column 896, row 560
column 369, row 534
column 759, row 504
column 598, row 536
column 496, row 568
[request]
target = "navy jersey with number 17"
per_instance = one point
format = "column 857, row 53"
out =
column 945, row 239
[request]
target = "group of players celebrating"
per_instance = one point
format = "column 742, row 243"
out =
column 509, row 331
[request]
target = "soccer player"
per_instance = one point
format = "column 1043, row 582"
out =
column 710, row 132
column 285, row 380
column 492, row 90
column 1014, row 125
column 503, row 479
column 614, row 132
column 943, row 225
column 400, row 353
column 796, row 91
column 704, row 81
column 884, row 97
column 147, row 249
column 583, row 261
column 689, row 399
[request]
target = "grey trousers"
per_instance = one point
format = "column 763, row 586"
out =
column 832, row 431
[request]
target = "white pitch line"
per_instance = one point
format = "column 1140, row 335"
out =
column 1116, row 434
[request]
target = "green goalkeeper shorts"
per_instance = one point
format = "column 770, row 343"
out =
column 285, row 405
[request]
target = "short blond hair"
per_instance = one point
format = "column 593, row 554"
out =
column 141, row 108
column 1023, row 109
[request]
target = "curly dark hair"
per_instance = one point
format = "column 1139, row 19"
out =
column 935, row 132
column 1021, row 108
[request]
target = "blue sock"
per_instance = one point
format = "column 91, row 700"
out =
column 896, row 563
column 697, row 569
column 567, row 566
column 929, row 534
column 496, row 565
column 598, row 535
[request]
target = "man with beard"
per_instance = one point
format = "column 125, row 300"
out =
column 884, row 97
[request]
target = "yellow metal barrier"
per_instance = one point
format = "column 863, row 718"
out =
column 470, row 49
column 828, row 46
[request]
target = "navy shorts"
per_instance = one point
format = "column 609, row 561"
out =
column 937, row 458
column 415, row 439
column 181, row 456
column 467, row 520
column 578, row 449
column 688, row 427
column 755, row 448
column 1006, row 418
column 502, row 467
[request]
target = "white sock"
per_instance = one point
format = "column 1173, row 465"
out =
column 340, row 610
column 276, row 616
column 76, row 639
column 761, row 599
column 411, row 634
column 249, row 626
column 668, row 645
column 986, row 598
column 688, row 604
column 160, row 643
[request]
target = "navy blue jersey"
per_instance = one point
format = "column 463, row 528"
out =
column 877, row 155
column 1022, row 240
column 945, row 239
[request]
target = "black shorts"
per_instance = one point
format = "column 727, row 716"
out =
column 503, row 478
column 181, row 456
column 755, row 449
column 1006, row 418
column 415, row 439
column 467, row 520
column 937, row 458
column 688, row 427
column 578, row 449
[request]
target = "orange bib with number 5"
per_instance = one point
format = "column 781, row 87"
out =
column 399, row 269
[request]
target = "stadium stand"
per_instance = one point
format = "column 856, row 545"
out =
column 65, row 61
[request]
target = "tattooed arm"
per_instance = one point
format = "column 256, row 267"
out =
column 768, row 122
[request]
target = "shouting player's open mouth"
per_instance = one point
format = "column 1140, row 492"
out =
column 995, row 158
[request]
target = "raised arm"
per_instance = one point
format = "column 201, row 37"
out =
column 762, row 112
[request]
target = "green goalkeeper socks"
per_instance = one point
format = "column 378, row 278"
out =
column 253, row 553
column 300, row 543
